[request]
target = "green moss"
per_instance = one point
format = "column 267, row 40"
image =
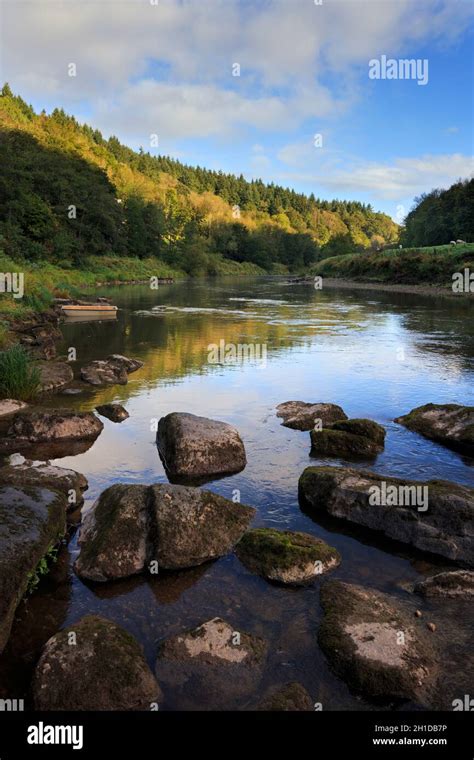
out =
column 362, row 427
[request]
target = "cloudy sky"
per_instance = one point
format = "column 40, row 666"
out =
column 168, row 68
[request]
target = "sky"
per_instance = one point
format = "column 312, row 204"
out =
column 275, row 89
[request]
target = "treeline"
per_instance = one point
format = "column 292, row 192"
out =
column 67, row 193
column 441, row 216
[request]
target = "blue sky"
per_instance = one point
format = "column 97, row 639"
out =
column 166, row 69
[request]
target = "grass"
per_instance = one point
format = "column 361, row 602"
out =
column 42, row 568
column 433, row 265
column 19, row 378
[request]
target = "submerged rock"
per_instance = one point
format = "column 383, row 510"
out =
column 450, row 424
column 111, row 371
column 457, row 584
column 114, row 412
column 286, row 556
column 435, row 516
column 292, row 697
column 132, row 526
column 300, row 415
column 104, row 670
column 54, row 375
column 11, row 406
column 375, row 645
column 214, row 666
column 30, row 428
column 193, row 447
column 69, row 482
column 348, row 438
column 32, row 520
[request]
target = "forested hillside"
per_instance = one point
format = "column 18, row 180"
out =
column 441, row 216
column 67, row 193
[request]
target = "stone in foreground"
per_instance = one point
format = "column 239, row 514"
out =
column 11, row 406
column 348, row 438
column 111, row 371
column 30, row 428
column 443, row 524
column 301, row 415
column 113, row 412
column 196, row 447
column 32, row 520
column 292, row 697
column 215, row 666
column 450, row 424
column 69, row 482
column 455, row 584
column 54, row 375
column 104, row 670
column 285, row 556
column 375, row 645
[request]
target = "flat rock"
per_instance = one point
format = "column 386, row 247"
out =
column 32, row 520
column 49, row 426
column 104, row 670
column 348, row 438
column 214, row 666
column 196, row 447
column 375, row 645
column 301, row 415
column 11, row 406
column 450, row 424
column 114, row 412
column 292, row 697
column 43, row 474
column 455, row 584
column 285, row 556
column 54, row 375
column 111, row 371
column 443, row 526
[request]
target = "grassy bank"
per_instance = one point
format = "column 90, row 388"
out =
column 431, row 265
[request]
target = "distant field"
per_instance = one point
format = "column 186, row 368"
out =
column 430, row 265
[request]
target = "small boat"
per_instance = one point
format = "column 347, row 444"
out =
column 92, row 311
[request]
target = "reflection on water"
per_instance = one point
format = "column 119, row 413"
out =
column 377, row 355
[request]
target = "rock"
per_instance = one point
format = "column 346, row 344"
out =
column 112, row 371
column 194, row 447
column 431, row 627
column 373, row 644
column 32, row 520
column 114, row 412
column 300, row 415
column 11, row 406
column 104, row 670
column 348, row 438
column 54, row 375
column 450, row 424
column 214, row 666
column 131, row 526
column 292, row 697
column 286, row 556
column 457, row 584
column 45, row 475
column 113, row 534
column 29, row 428
column 444, row 525
column 418, row 614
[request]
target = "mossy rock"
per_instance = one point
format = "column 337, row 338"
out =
column 454, row 584
column 286, row 557
column 362, row 427
column 103, row 669
column 292, row 697
column 449, row 424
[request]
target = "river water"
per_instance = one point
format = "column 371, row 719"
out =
column 378, row 355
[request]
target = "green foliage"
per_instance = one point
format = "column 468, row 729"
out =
column 441, row 216
column 19, row 379
column 42, row 568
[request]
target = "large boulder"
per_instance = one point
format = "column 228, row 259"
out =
column 43, row 474
column 113, row 534
column 132, row 526
column 54, row 375
column 32, row 520
column 29, row 428
column 285, row 556
column 375, row 645
column 348, row 438
column 104, row 669
column 454, row 584
column 292, row 697
column 451, row 424
column 113, row 412
column 435, row 516
column 111, row 371
column 196, row 447
column 212, row 667
column 301, row 415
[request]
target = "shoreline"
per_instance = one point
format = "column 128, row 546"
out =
column 425, row 290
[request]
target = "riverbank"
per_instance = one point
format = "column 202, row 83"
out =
column 436, row 291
